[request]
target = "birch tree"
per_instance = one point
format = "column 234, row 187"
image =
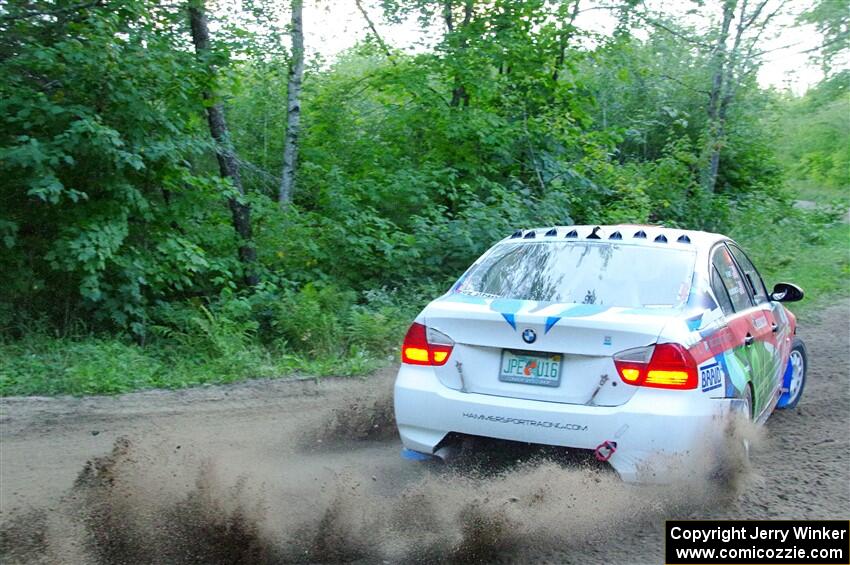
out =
column 293, row 105
column 735, row 54
column 716, row 114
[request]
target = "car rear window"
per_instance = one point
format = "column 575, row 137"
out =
column 609, row 274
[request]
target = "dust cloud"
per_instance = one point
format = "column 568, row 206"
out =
column 346, row 497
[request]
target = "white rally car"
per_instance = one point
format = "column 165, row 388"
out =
column 637, row 342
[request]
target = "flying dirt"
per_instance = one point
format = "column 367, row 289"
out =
column 309, row 471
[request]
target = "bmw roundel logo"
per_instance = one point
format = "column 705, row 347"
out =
column 529, row 336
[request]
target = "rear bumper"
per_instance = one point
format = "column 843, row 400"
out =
column 652, row 429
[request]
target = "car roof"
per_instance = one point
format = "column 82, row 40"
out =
column 639, row 234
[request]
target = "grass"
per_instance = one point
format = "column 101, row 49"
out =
column 196, row 345
column 810, row 248
column 821, row 268
column 44, row 365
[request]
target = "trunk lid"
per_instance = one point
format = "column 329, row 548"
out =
column 582, row 337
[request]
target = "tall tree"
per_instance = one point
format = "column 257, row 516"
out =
column 565, row 32
column 716, row 108
column 734, row 49
column 228, row 161
column 293, row 105
column 832, row 20
column 733, row 64
column 459, row 93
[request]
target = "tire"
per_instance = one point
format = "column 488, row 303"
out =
column 733, row 453
column 795, row 376
column 748, row 401
column 748, row 412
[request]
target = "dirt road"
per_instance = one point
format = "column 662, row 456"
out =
column 281, row 472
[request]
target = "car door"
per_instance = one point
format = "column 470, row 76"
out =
column 737, row 304
column 766, row 353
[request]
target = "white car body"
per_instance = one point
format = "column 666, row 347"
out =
column 591, row 404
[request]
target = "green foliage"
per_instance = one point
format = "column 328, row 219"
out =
column 832, row 20
column 816, row 144
column 326, row 322
column 99, row 118
column 310, row 320
column 806, row 247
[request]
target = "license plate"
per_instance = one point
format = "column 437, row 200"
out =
column 531, row 368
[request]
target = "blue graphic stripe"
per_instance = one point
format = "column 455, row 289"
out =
column 508, row 307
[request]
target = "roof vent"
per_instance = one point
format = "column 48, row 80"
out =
column 616, row 235
column 683, row 239
column 593, row 234
column 573, row 233
column 552, row 233
column 516, row 234
column 659, row 239
column 530, row 235
column 640, row 234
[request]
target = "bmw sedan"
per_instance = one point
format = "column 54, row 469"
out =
column 638, row 343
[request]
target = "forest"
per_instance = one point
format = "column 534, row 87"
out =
column 190, row 195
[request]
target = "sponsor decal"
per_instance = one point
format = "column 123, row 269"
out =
column 526, row 422
column 464, row 298
column 606, row 340
column 711, row 377
column 695, row 322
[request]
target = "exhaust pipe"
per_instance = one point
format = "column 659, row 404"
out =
column 447, row 453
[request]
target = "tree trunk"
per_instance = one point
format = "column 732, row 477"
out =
column 293, row 106
column 459, row 93
column 563, row 39
column 716, row 117
column 228, row 162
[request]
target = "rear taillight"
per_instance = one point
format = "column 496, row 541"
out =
column 426, row 346
column 664, row 365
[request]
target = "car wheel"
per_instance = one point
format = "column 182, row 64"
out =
column 795, row 376
column 734, row 451
column 747, row 407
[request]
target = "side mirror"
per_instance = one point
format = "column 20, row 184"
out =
column 786, row 292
